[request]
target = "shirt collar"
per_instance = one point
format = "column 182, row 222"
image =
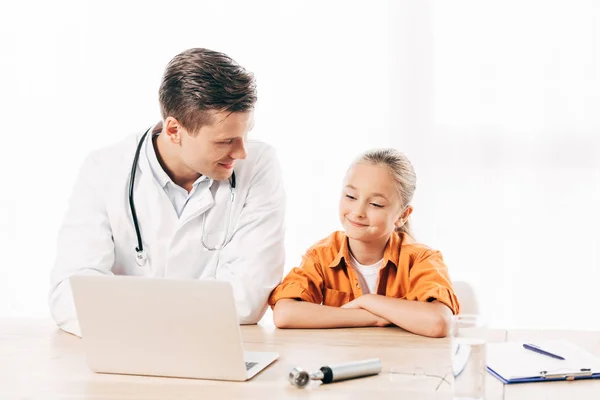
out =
column 157, row 170
column 390, row 254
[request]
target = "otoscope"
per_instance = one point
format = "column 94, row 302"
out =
column 300, row 378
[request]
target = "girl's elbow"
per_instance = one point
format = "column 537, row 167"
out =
column 280, row 321
column 440, row 326
column 281, row 317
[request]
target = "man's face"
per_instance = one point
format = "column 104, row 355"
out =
column 213, row 150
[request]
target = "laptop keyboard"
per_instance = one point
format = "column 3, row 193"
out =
column 250, row 365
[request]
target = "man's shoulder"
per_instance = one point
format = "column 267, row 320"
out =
column 117, row 150
column 113, row 160
column 261, row 158
column 260, row 173
column 257, row 149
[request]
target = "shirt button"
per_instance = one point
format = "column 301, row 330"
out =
column 358, row 285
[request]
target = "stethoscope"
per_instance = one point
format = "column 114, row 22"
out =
column 140, row 254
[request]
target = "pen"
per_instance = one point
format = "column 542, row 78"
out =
column 535, row 348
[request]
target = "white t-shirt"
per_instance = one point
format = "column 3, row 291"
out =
column 368, row 275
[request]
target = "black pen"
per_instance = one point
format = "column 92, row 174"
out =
column 535, row 348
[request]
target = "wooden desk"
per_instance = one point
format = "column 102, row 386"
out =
column 38, row 361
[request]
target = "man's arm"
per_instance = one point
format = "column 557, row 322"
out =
column 290, row 313
column 253, row 261
column 85, row 245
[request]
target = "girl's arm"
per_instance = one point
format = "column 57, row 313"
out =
column 289, row 313
column 423, row 318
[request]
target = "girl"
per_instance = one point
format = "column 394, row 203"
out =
column 373, row 273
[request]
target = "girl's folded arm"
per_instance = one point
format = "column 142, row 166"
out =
column 424, row 318
column 290, row 313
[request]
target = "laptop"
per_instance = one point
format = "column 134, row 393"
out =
column 163, row 327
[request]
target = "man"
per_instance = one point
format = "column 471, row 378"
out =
column 204, row 201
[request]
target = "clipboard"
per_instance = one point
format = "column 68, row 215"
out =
column 511, row 363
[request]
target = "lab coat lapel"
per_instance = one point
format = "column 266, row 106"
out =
column 197, row 205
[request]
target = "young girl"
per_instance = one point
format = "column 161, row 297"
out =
column 373, row 273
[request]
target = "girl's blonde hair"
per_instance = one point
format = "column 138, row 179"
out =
column 401, row 170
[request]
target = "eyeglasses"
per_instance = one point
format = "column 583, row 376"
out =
column 419, row 372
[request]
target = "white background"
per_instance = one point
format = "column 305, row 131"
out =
column 495, row 104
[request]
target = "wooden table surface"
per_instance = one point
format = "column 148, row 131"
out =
column 38, row 361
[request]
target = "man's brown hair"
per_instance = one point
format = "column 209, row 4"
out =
column 199, row 80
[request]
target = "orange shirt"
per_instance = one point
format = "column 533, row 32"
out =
column 409, row 271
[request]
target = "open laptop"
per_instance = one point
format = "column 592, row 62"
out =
column 163, row 327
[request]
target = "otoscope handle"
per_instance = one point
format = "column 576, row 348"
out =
column 351, row 370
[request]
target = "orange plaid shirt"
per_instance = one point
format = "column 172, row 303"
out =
column 409, row 271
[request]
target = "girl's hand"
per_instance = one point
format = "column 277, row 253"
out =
column 360, row 302
column 356, row 303
column 381, row 322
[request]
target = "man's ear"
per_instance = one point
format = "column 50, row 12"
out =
column 174, row 130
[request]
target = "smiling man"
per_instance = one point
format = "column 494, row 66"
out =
column 190, row 198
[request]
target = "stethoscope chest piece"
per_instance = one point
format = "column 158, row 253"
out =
column 141, row 258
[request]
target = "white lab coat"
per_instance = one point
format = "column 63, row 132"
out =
column 98, row 236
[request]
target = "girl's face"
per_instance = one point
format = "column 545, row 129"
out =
column 370, row 206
